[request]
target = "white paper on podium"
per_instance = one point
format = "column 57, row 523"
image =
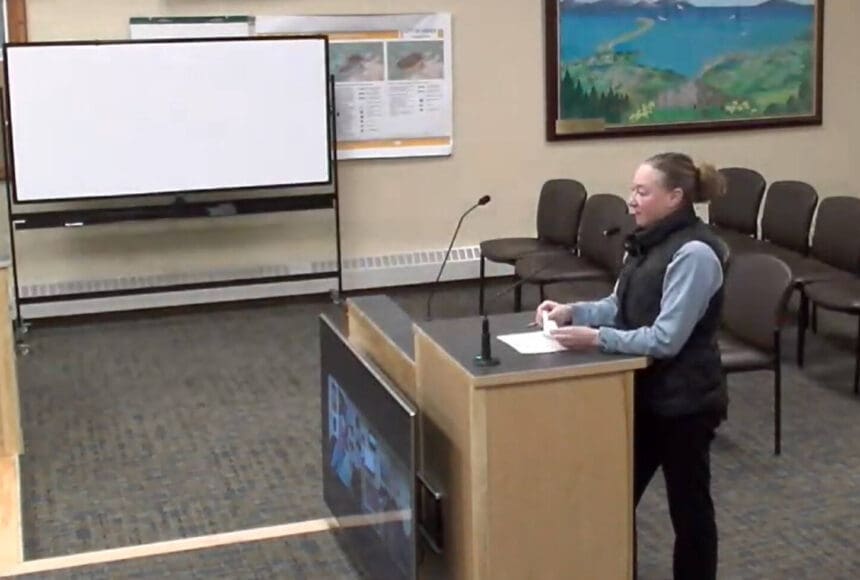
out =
column 531, row 342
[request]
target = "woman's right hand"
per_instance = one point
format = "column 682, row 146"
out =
column 560, row 313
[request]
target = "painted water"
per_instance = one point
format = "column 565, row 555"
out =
column 679, row 62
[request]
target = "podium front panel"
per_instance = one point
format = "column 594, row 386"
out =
column 534, row 457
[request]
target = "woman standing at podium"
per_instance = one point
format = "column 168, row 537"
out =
column 667, row 305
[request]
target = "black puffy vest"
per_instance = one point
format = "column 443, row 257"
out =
column 692, row 381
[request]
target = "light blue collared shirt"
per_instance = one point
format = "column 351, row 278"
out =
column 693, row 277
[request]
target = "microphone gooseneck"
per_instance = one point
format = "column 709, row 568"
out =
column 484, row 200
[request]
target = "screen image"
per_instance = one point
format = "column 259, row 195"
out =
column 368, row 434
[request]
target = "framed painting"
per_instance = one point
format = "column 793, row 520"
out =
column 633, row 67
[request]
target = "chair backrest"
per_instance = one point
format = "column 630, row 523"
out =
column 726, row 251
column 560, row 210
column 755, row 292
column 738, row 209
column 605, row 223
column 787, row 214
column 835, row 240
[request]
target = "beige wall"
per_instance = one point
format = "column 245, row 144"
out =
column 499, row 145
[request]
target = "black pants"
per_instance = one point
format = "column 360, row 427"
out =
column 681, row 446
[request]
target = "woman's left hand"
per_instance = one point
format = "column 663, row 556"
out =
column 576, row 337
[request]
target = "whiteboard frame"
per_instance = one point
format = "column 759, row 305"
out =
column 10, row 157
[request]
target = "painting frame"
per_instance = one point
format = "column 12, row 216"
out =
column 559, row 129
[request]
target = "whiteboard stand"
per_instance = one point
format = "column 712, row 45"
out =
column 177, row 205
column 19, row 326
column 336, row 295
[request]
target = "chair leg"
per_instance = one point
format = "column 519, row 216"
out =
column 777, row 410
column 518, row 298
column 802, row 317
column 857, row 361
column 777, row 396
column 814, row 325
column 481, row 291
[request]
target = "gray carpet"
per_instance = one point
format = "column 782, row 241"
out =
column 316, row 557
column 143, row 429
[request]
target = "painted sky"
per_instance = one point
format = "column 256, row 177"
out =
column 738, row 2
column 719, row 2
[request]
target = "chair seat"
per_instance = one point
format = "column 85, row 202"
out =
column 737, row 242
column 576, row 291
column 509, row 250
column 741, row 244
column 784, row 254
column 544, row 268
column 841, row 295
column 803, row 269
column 738, row 356
column 807, row 270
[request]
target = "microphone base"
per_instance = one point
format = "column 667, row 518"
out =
column 482, row 361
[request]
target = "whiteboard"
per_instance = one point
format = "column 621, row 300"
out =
column 136, row 118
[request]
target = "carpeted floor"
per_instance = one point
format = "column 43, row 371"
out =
column 148, row 428
column 316, row 557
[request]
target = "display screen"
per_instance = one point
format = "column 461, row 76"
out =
column 368, row 443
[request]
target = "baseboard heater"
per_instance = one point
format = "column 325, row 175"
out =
column 86, row 296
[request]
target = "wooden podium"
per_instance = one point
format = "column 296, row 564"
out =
column 533, row 456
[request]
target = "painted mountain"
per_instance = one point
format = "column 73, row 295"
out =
column 644, row 62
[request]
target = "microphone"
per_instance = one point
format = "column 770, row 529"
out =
column 484, row 200
column 611, row 231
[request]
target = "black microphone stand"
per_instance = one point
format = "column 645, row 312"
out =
column 486, row 358
column 483, row 201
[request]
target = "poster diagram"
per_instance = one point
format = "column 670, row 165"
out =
column 393, row 84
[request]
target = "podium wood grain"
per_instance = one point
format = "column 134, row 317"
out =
column 368, row 334
column 534, row 457
column 11, row 546
column 10, row 424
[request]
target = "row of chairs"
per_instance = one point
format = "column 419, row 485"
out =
column 580, row 238
column 816, row 240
